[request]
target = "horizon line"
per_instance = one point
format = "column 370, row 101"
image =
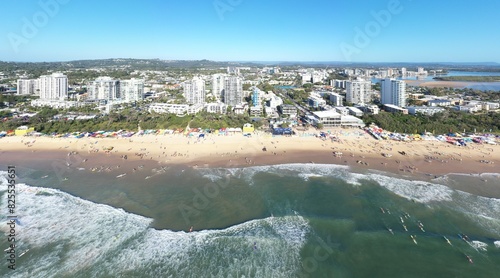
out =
column 260, row 61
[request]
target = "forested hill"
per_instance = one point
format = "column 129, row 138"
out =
column 136, row 64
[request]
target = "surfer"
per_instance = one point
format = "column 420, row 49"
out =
column 254, row 245
column 191, row 229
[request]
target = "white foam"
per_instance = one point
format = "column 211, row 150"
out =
column 302, row 170
column 479, row 245
column 306, row 176
column 497, row 244
column 77, row 236
column 419, row 191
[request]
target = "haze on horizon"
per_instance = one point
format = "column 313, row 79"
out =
column 241, row 30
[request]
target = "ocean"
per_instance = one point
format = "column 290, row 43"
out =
column 292, row 220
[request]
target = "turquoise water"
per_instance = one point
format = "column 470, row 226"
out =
column 297, row 220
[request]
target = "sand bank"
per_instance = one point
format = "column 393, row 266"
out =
column 441, row 84
column 421, row 159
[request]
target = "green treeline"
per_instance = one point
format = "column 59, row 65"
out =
column 439, row 123
column 127, row 119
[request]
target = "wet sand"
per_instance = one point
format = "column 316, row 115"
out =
column 424, row 160
column 441, row 84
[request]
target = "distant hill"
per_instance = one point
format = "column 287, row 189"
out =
column 158, row 64
column 135, row 64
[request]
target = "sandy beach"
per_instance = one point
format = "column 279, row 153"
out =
column 441, row 84
column 418, row 159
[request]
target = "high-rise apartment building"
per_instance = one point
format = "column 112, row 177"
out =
column 358, row 91
column 256, row 97
column 109, row 89
column 194, row 91
column 27, row 86
column 233, row 90
column 132, row 90
column 218, row 81
column 393, row 92
column 53, row 87
column 104, row 88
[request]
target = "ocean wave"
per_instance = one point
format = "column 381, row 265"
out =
column 420, row 191
column 69, row 236
column 302, row 170
column 479, row 245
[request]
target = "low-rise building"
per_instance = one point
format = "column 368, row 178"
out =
column 288, row 109
column 240, row 109
column 342, row 110
column 23, row 130
column 355, row 111
column 57, row 104
column 178, row 109
column 256, row 110
column 426, row 110
column 395, row 109
column 316, row 101
column 370, row 109
column 248, row 128
column 271, row 112
column 439, row 102
column 467, row 108
column 218, row 108
column 331, row 118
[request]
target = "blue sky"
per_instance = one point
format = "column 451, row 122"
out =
column 251, row 30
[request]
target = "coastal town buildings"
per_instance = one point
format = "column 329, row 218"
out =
column 316, row 101
column 194, row 91
column 109, row 89
column 393, row 92
column 132, row 90
column 336, row 99
column 426, row 110
column 27, row 86
column 53, row 87
column 288, row 109
column 331, row 118
column 53, row 92
column 233, row 90
column 358, row 91
column 103, row 88
column 218, row 81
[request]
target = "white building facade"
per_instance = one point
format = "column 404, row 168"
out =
column 103, row 88
column 53, row 87
column 233, row 90
column 358, row 91
column 27, row 86
column 132, row 90
column 194, row 91
column 393, row 92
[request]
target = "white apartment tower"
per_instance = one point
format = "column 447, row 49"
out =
column 132, row 90
column 194, row 91
column 218, row 81
column 53, row 87
column 393, row 92
column 27, row 86
column 233, row 90
column 358, row 91
column 104, row 88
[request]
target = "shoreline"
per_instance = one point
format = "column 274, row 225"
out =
column 422, row 160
